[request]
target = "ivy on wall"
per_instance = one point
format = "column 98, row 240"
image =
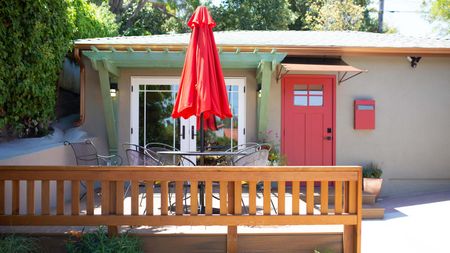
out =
column 35, row 36
column 34, row 40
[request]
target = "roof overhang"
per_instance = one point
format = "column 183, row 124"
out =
column 342, row 70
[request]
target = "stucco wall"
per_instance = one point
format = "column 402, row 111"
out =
column 410, row 142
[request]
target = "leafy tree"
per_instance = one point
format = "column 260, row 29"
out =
column 89, row 20
column 334, row 16
column 253, row 15
column 439, row 11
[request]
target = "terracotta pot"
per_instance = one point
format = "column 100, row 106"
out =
column 372, row 185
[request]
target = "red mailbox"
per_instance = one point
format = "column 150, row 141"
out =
column 364, row 114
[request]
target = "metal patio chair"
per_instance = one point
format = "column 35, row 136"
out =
column 168, row 159
column 86, row 154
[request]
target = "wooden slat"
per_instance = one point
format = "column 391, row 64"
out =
column 338, row 197
column 30, row 197
column 2, row 197
column 231, row 197
column 15, row 197
column 281, row 197
column 198, row 220
column 266, row 196
column 345, row 197
column 232, row 239
column 237, row 197
column 45, row 197
column 149, row 197
column 310, row 197
column 223, row 197
column 134, row 197
column 179, row 197
column 324, row 197
column 120, row 196
column 105, row 197
column 90, row 197
column 75, row 202
column 208, row 197
column 164, row 197
column 252, row 197
column 59, row 197
column 194, row 197
column 352, row 197
column 295, row 198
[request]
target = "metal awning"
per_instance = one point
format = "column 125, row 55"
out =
column 345, row 69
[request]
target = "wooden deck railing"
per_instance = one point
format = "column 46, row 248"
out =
column 346, row 182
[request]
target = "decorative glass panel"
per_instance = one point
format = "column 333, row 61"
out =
column 315, row 89
column 315, row 100
column 300, row 100
column 366, row 107
column 300, row 89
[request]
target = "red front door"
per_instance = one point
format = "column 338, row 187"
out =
column 308, row 119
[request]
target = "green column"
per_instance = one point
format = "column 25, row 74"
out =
column 266, row 79
column 108, row 108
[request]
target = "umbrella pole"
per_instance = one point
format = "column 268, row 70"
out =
column 202, row 134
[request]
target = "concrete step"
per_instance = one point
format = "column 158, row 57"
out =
column 372, row 212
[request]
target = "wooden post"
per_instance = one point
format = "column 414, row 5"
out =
column 232, row 230
column 113, row 230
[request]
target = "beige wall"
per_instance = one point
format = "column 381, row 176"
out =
column 411, row 139
column 411, row 142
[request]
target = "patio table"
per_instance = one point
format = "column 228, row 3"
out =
column 201, row 154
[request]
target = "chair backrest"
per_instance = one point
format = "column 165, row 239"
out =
column 257, row 158
column 166, row 159
column 140, row 157
column 85, row 152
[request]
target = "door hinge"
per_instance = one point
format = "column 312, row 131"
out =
column 244, row 131
column 131, row 88
column 244, row 89
column 131, row 130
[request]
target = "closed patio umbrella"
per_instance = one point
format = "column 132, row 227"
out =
column 202, row 90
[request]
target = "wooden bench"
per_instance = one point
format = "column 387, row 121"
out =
column 297, row 182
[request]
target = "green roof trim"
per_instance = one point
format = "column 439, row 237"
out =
column 166, row 59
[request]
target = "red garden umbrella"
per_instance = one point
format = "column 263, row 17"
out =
column 202, row 90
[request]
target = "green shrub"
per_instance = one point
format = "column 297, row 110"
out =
column 18, row 244
column 99, row 241
column 371, row 170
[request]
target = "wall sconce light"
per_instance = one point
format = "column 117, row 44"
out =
column 113, row 89
column 258, row 89
column 413, row 60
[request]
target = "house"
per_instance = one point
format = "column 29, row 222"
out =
column 323, row 98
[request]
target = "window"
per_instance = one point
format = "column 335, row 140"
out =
column 308, row 95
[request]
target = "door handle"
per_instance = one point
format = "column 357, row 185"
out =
column 192, row 132
column 328, row 138
column 183, row 132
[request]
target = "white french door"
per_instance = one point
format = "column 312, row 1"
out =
column 152, row 100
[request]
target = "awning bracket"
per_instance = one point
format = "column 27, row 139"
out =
column 343, row 79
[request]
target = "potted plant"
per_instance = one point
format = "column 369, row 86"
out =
column 372, row 180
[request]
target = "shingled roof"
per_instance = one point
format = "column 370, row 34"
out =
column 287, row 41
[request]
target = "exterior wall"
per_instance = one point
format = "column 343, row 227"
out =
column 411, row 140
column 94, row 122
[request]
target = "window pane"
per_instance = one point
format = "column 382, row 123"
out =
column 300, row 89
column 316, row 89
column 300, row 100
column 366, row 107
column 315, row 100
